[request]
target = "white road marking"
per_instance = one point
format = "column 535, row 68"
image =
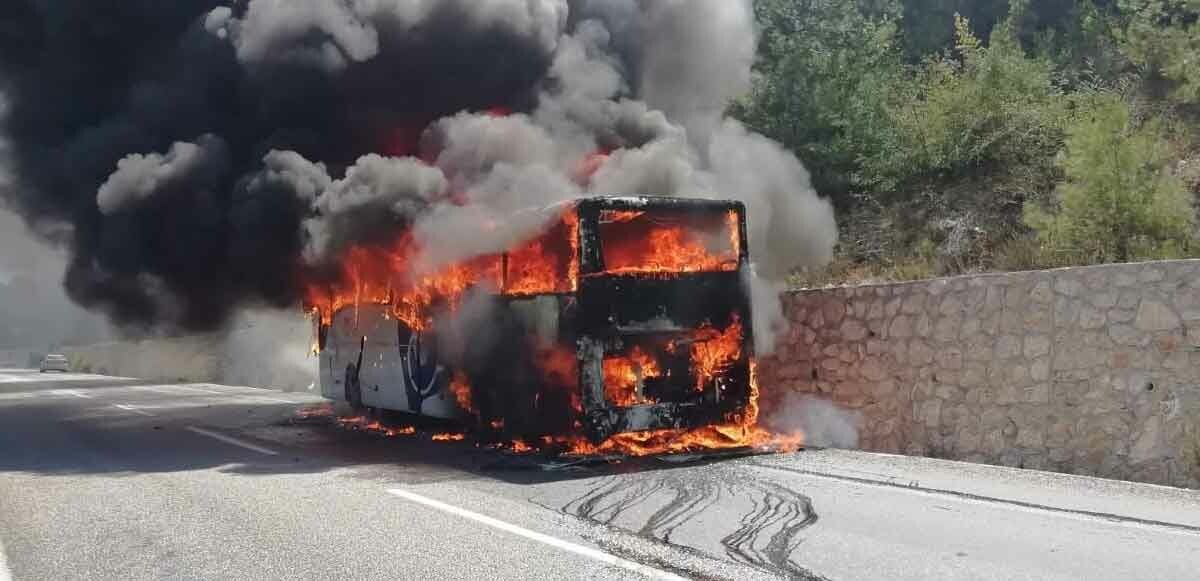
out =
column 73, row 392
column 135, row 410
column 233, row 441
column 197, row 389
column 5, row 572
column 270, row 399
column 581, row 550
column 176, row 389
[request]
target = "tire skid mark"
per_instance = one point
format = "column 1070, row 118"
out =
column 766, row 535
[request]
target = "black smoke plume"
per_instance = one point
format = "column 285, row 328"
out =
column 197, row 156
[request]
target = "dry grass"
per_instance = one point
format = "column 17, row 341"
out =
column 845, row 272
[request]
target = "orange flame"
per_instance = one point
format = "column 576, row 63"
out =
column 624, row 377
column 375, row 427
column 742, row 431
column 460, row 387
column 635, row 244
column 713, row 351
column 449, row 437
column 384, row 276
column 520, row 447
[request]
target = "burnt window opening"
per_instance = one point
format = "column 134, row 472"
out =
column 657, row 241
column 548, row 264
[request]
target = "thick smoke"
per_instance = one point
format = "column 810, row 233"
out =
column 823, row 423
column 198, row 156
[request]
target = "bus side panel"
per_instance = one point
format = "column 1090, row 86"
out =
column 400, row 371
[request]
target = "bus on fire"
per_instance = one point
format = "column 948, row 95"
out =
column 625, row 314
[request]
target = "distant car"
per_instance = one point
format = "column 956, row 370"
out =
column 55, row 362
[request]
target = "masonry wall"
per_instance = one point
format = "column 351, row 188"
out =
column 1089, row 371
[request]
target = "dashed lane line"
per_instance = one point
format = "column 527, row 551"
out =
column 233, row 441
column 5, row 572
column 557, row 543
column 135, row 410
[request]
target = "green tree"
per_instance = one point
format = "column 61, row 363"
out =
column 985, row 109
column 1162, row 37
column 827, row 71
column 1120, row 201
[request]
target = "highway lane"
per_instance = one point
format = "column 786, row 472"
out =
column 104, row 478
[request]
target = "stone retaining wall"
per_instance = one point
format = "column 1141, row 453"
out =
column 1088, row 370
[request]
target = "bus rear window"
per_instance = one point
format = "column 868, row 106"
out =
column 664, row 242
column 547, row 264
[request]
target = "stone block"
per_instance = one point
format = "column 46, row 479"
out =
column 892, row 308
column 1041, row 292
column 947, row 328
column 1151, row 274
column 1067, row 286
column 901, row 327
column 974, row 375
column 1039, row 370
column 951, row 304
column 1128, row 336
column 919, row 353
column 914, row 303
column 872, row 370
column 994, row 299
column 1007, row 347
column 1130, row 299
column 834, row 312
column 950, row 358
column 1038, row 393
column 1105, row 299
column 1036, row 346
column 924, row 326
column 1124, row 279
column 853, row 330
column 1091, row 317
column 930, row 412
column 1153, row 315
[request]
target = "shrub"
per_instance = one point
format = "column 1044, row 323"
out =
column 1120, row 201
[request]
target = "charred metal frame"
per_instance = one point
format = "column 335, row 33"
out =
column 613, row 309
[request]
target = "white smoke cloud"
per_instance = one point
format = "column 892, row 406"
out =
column 697, row 56
column 823, row 423
column 141, row 176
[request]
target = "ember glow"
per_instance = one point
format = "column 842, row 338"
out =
column 364, row 424
column 460, row 386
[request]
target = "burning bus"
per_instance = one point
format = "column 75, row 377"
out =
column 623, row 319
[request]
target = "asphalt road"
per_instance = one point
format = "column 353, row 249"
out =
column 104, row 478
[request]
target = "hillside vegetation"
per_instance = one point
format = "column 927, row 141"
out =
column 960, row 136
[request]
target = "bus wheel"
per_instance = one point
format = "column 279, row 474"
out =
column 353, row 389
